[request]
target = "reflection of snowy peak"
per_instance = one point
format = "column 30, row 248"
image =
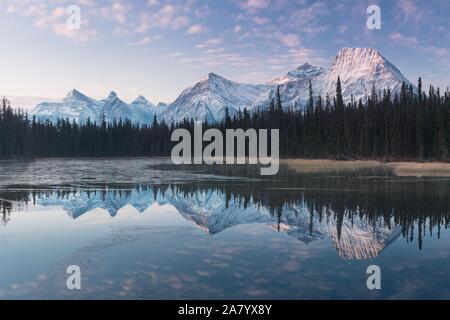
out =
column 296, row 222
column 361, row 240
column 78, row 203
column 209, row 211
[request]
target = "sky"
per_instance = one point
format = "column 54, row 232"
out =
column 157, row 48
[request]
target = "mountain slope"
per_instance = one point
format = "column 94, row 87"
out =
column 209, row 98
column 360, row 69
column 294, row 86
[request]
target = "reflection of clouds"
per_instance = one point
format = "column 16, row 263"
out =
column 203, row 273
column 153, row 276
column 18, row 290
column 291, row 266
column 239, row 265
column 256, row 292
column 128, row 284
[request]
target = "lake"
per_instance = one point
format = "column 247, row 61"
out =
column 145, row 229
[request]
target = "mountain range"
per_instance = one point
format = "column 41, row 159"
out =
column 360, row 69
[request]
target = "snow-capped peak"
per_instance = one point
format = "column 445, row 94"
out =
column 112, row 95
column 215, row 77
column 209, row 99
column 362, row 60
column 75, row 94
column 141, row 100
column 360, row 69
column 77, row 106
column 304, row 72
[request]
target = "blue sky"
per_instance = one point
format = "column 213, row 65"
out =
column 157, row 48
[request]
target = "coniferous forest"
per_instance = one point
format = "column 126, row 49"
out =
column 411, row 125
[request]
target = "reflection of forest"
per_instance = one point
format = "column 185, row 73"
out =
column 305, row 206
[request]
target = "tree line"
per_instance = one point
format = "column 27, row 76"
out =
column 22, row 137
column 409, row 125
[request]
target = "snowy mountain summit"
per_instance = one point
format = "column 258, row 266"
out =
column 207, row 100
column 303, row 72
column 360, row 69
column 78, row 107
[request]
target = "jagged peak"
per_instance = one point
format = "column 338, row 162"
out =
column 351, row 62
column 211, row 80
column 347, row 50
column 307, row 66
column 306, row 70
column 112, row 95
column 74, row 93
column 213, row 77
column 140, row 100
column 350, row 57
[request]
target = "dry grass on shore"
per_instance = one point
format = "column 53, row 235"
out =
column 401, row 169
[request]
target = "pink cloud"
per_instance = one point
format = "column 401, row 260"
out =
column 290, row 40
column 409, row 11
column 80, row 36
column 401, row 39
column 117, row 12
column 210, row 43
column 54, row 18
column 196, row 29
column 141, row 42
column 257, row 4
column 260, row 20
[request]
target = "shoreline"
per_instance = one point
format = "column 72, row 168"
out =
column 301, row 165
column 399, row 169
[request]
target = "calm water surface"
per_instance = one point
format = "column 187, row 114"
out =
column 141, row 228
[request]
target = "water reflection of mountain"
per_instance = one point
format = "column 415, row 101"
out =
column 358, row 229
